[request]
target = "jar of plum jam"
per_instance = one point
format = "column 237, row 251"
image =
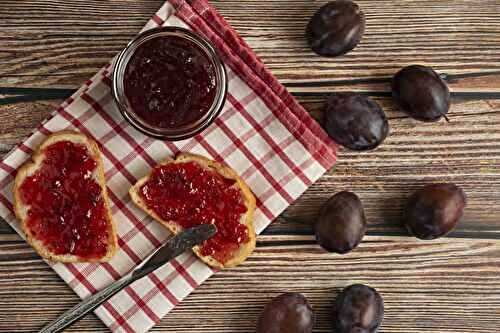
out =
column 169, row 83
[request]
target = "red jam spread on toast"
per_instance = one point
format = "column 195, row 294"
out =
column 189, row 195
column 170, row 82
column 67, row 211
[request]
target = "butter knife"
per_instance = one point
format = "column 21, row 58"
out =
column 172, row 248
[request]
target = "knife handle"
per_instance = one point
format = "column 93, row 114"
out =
column 87, row 305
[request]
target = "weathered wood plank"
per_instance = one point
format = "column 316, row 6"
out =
column 421, row 282
column 64, row 43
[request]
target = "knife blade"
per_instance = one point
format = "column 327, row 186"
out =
column 172, row 248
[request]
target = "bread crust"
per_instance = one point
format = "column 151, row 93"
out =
column 245, row 249
column 31, row 166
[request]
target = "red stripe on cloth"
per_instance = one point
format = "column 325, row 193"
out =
column 6, row 203
column 10, row 176
column 251, row 170
column 133, row 155
column 190, row 144
column 44, row 130
column 8, row 179
column 182, row 271
column 81, row 278
column 162, row 287
column 243, row 137
column 107, row 81
column 25, row 148
column 120, row 321
column 98, row 108
column 214, row 153
column 111, row 270
column 7, row 168
column 131, row 254
column 89, row 269
column 285, row 180
column 159, row 286
column 85, row 282
column 224, row 116
column 263, row 208
column 172, row 147
column 121, row 204
column 120, row 129
column 142, row 305
column 140, row 149
column 86, row 271
column 140, row 226
column 156, row 19
column 272, row 143
column 68, row 101
column 260, row 167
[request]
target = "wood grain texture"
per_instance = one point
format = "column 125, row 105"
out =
column 422, row 284
column 449, row 285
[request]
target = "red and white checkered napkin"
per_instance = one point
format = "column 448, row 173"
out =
column 262, row 133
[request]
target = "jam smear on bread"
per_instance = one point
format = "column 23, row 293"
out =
column 190, row 194
column 67, row 211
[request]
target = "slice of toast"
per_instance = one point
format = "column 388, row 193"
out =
column 30, row 167
column 247, row 196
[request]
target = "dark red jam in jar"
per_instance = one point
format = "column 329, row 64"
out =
column 169, row 83
column 191, row 195
column 66, row 206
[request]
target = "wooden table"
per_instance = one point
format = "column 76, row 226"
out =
column 448, row 285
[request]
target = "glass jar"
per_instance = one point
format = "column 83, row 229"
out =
column 164, row 91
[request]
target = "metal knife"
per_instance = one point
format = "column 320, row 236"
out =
column 172, row 248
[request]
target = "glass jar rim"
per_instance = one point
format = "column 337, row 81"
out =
column 181, row 132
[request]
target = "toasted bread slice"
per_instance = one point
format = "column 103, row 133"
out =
column 30, row 167
column 248, row 198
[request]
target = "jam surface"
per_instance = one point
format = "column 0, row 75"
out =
column 170, row 82
column 191, row 195
column 67, row 210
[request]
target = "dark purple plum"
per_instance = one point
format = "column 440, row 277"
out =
column 355, row 121
column 287, row 313
column 358, row 309
column 341, row 224
column 433, row 211
column 336, row 28
column 421, row 93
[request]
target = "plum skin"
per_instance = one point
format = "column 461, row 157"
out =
column 355, row 121
column 287, row 313
column 421, row 93
column 342, row 224
column 336, row 28
column 358, row 309
column 434, row 210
